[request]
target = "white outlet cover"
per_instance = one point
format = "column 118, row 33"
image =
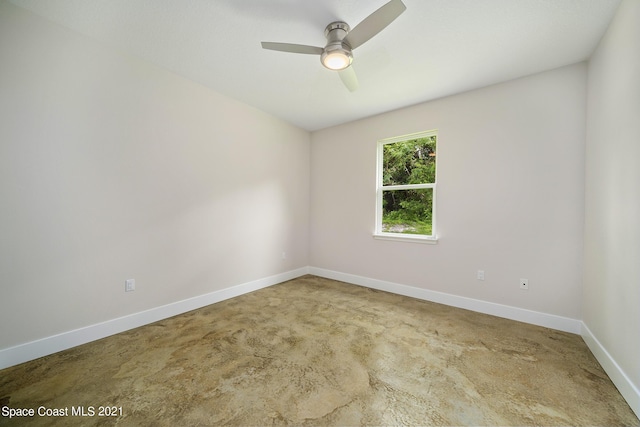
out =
column 129, row 285
column 524, row 284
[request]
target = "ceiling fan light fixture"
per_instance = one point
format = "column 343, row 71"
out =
column 338, row 59
column 337, row 53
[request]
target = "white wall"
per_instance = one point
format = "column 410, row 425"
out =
column 111, row 168
column 611, row 303
column 510, row 194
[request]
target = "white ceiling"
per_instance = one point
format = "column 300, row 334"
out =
column 434, row 49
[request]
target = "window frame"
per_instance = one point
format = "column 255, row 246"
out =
column 417, row 238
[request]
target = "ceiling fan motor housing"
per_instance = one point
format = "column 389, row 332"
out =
column 336, row 47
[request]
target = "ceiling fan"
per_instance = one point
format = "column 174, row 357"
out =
column 341, row 40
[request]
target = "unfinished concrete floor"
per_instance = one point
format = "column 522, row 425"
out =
column 313, row 351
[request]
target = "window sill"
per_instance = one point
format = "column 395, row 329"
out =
column 413, row 238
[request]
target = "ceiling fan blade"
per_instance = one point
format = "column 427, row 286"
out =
column 375, row 23
column 348, row 77
column 293, row 48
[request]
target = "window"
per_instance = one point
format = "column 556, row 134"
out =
column 406, row 188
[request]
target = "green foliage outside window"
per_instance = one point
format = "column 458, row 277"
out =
column 408, row 211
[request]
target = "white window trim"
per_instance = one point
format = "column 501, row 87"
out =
column 415, row 238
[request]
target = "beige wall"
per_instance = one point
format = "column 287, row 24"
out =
column 111, row 168
column 510, row 194
column 611, row 302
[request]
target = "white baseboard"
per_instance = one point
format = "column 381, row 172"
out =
column 520, row 314
column 49, row 345
column 625, row 386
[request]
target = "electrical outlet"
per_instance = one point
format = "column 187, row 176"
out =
column 524, row 284
column 480, row 275
column 129, row 285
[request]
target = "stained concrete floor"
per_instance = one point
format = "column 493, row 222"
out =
column 313, row 351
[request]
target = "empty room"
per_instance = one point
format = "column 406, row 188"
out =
column 384, row 212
